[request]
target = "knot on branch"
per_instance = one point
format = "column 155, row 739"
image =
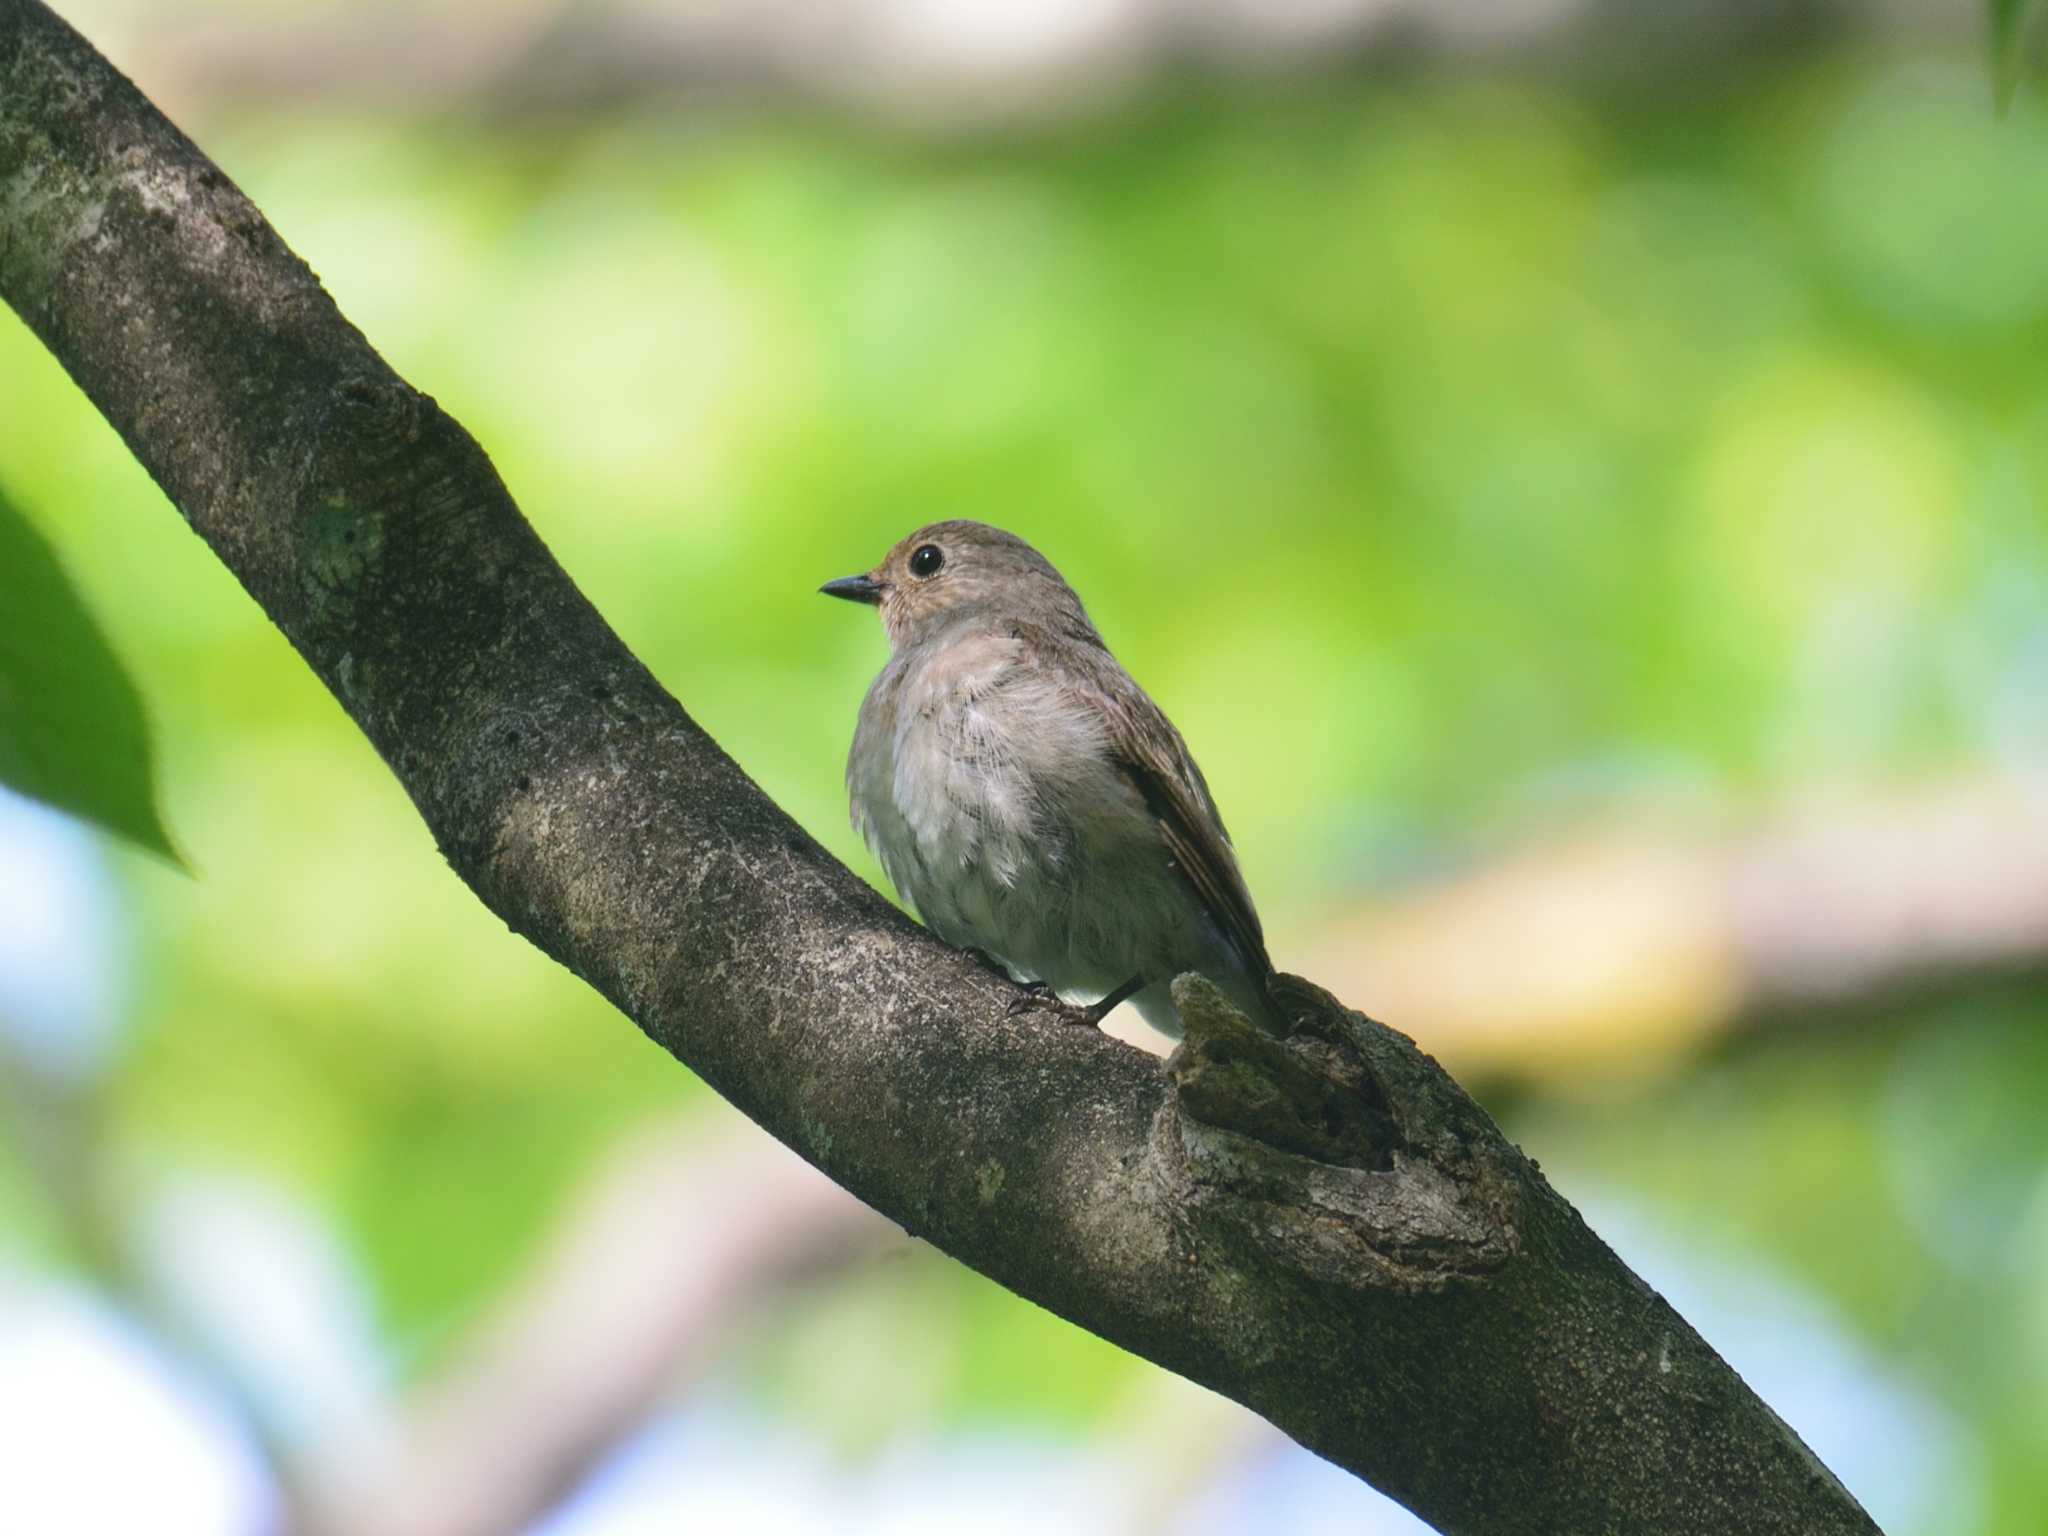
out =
column 366, row 428
column 1339, row 1148
column 1303, row 1094
column 340, row 544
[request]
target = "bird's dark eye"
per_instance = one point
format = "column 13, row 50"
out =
column 925, row 560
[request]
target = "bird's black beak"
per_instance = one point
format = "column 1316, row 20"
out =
column 856, row 589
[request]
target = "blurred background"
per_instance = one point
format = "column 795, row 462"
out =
column 1575, row 473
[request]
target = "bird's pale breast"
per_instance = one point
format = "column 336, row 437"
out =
column 992, row 803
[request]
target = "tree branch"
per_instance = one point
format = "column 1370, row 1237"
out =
column 1325, row 1228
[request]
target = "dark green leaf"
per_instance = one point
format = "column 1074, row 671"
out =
column 72, row 731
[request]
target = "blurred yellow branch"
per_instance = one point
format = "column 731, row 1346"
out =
column 1619, row 947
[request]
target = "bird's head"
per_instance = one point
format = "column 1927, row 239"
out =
column 945, row 571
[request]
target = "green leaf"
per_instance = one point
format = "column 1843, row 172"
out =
column 2007, row 18
column 72, row 731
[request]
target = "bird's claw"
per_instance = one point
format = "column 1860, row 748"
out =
column 1036, row 995
column 1040, row 998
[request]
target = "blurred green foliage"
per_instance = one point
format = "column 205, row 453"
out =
column 2008, row 20
column 1442, row 454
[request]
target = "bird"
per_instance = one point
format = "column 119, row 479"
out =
column 1030, row 800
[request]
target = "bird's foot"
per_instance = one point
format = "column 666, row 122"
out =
column 1037, row 998
column 1040, row 997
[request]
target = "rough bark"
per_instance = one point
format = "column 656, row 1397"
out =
column 1324, row 1228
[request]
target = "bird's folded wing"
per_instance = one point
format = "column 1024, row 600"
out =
column 1149, row 752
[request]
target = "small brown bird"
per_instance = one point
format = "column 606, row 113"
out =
column 1028, row 798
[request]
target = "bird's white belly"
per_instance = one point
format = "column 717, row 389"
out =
column 982, row 866
column 1002, row 820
